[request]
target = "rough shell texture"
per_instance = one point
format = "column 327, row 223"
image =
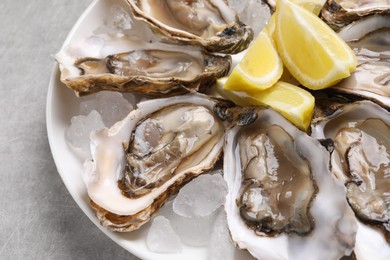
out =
column 231, row 37
column 104, row 173
column 339, row 13
column 214, row 67
column 357, row 134
column 370, row 40
column 335, row 226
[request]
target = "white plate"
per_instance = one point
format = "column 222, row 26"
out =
column 62, row 104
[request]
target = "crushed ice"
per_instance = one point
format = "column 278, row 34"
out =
column 120, row 23
column 111, row 106
column 220, row 245
column 193, row 231
column 203, row 222
column 201, row 197
column 254, row 13
column 81, row 126
column 96, row 111
column 161, row 237
column 116, row 22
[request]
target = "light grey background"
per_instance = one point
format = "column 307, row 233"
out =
column 38, row 217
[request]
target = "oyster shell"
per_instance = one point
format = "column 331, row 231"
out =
column 339, row 13
column 360, row 160
column 151, row 68
column 131, row 58
column 290, row 207
column 209, row 23
column 370, row 40
column 143, row 159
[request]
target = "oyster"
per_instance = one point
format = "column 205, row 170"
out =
column 282, row 201
column 143, row 159
column 209, row 23
column 133, row 59
column 339, row 13
column 360, row 160
column 151, row 68
column 370, row 40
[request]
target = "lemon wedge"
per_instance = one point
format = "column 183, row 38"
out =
column 270, row 27
column 313, row 6
column 313, row 53
column 259, row 69
column 294, row 103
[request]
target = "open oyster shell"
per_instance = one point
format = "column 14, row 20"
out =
column 360, row 158
column 123, row 54
column 290, row 207
column 339, row 13
column 209, row 23
column 370, row 40
column 151, row 68
column 143, row 159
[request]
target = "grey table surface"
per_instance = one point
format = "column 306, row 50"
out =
column 38, row 217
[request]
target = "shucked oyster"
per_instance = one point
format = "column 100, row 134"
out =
column 143, row 159
column 282, row 201
column 133, row 59
column 339, row 13
column 210, row 23
column 361, row 161
column 370, row 40
column 153, row 69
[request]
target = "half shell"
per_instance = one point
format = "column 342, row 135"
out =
column 360, row 158
column 143, row 159
column 209, row 23
column 123, row 54
column 370, row 40
column 292, row 188
column 151, row 68
column 339, row 13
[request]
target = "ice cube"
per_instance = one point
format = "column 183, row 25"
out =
column 162, row 238
column 192, row 231
column 238, row 5
column 77, row 135
column 254, row 13
column 87, row 104
column 111, row 106
column 131, row 98
column 201, row 196
column 116, row 22
column 220, row 245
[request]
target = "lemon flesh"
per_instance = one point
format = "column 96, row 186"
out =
column 313, row 6
column 260, row 68
column 313, row 53
column 294, row 103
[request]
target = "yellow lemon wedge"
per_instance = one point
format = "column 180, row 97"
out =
column 270, row 27
column 260, row 68
column 294, row 103
column 313, row 6
column 313, row 53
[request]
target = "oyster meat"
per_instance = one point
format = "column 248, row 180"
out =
column 282, row 201
column 133, row 59
column 143, row 159
column 360, row 133
column 339, row 13
column 370, row 40
column 154, row 68
column 209, row 23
